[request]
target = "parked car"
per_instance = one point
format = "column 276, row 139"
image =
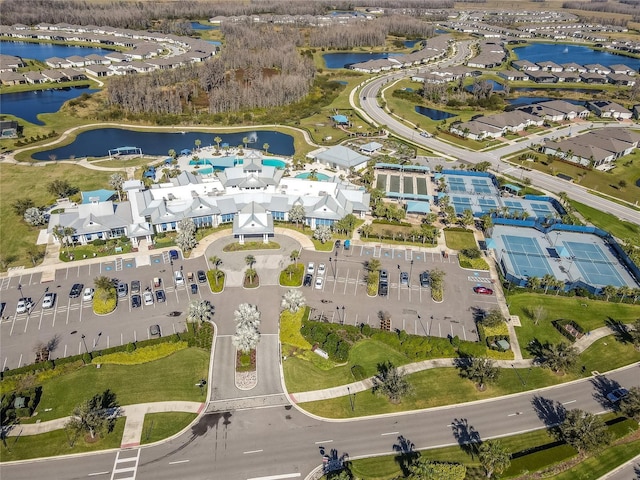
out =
column 194, row 288
column 3, row 305
column 321, row 269
column 319, row 283
column 383, row 289
column 308, row 279
column 347, row 244
column 337, row 244
column 87, row 295
column 157, row 282
column 384, row 276
column 24, row 305
column 483, row 290
column 404, row 278
column 160, row 297
column 178, row 277
column 190, row 277
column 122, row 289
column 135, row 286
column 49, row 300
column 76, row 290
column 311, row 268
column 202, row 276
column 424, row 279
column 617, row 394
column 136, row 301
column 174, row 255
column 148, row 298
column 154, row 331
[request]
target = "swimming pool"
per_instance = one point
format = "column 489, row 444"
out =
column 320, row 176
column 204, row 171
column 226, row 162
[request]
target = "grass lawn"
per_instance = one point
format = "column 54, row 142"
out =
column 618, row 228
column 57, row 443
column 627, row 169
column 171, row 378
column 23, row 181
column 237, row 247
column 158, row 426
column 309, row 373
column 295, row 279
column 590, row 317
column 459, row 240
column 608, row 354
column 216, row 285
column 544, row 454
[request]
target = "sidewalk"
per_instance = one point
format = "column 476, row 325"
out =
column 355, row 387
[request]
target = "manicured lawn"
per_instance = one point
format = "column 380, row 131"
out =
column 158, row 426
column 23, row 181
column 608, row 354
column 459, row 240
column 237, row 247
column 309, row 373
column 293, row 280
column 589, row 314
column 216, row 285
column 57, row 443
column 610, row 223
column 171, row 378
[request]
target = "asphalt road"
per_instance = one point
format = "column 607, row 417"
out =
column 369, row 103
column 256, row 443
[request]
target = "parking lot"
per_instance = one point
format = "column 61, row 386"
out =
column 64, row 325
column 71, row 327
column 343, row 296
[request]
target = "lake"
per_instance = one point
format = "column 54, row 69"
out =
column 547, row 90
column 343, row 60
column 200, row 26
column 520, row 101
column 497, row 86
column 27, row 105
column 580, row 54
column 42, row 51
column 433, row 113
column 96, row 143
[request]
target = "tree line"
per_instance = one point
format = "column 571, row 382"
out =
column 248, row 74
column 142, row 15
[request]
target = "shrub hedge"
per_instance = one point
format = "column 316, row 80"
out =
column 104, row 301
column 142, row 355
column 560, row 326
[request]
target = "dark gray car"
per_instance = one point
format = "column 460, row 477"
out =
column 123, row 289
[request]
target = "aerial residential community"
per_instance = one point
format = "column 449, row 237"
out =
column 359, row 240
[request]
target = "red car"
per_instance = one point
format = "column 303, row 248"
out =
column 483, row 290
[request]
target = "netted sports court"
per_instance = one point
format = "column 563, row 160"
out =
column 578, row 259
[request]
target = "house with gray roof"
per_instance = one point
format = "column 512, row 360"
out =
column 608, row 109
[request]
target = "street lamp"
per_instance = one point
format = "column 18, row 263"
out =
column 410, row 271
column 85, row 343
column 343, row 314
column 333, row 267
column 20, row 289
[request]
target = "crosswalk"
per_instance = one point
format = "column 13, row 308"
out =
column 479, row 279
column 125, row 466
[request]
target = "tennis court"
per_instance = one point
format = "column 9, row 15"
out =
column 480, row 185
column 421, row 185
column 594, row 265
column 541, row 210
column 487, row 204
column 526, row 256
column 394, row 183
column 408, row 185
column 381, row 182
column 461, row 204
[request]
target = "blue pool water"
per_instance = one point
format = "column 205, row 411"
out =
column 200, row 26
column 204, row 171
column 320, row 176
column 433, row 113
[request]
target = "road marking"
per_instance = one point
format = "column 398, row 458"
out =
column 277, row 477
column 570, row 401
column 253, row 451
column 324, row 441
column 179, row 461
column 97, row 473
column 389, row 433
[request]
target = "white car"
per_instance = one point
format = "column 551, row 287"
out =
column 321, row 269
column 178, row 277
column 48, row 300
column 87, row 296
column 148, row 298
column 311, row 268
column 319, row 283
column 24, row 305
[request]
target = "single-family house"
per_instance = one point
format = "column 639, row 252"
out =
column 12, row 78
column 608, row 109
column 525, row 65
column 8, row 129
column 593, row 78
column 597, row 68
column 622, row 79
column 549, row 66
column 514, row 75
column 623, row 69
column 540, row 76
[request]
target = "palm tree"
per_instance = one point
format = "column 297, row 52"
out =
column 217, row 140
column 559, row 356
column 366, row 230
column 373, row 265
column 390, row 382
column 215, row 261
column 534, row 283
column 198, row 142
column 103, row 283
column 199, row 311
column 292, row 300
column 624, row 291
column 218, row 274
column 294, row 255
column 564, row 198
column 115, row 181
column 547, row 281
column 250, row 260
column 480, row 370
column 245, row 141
column 494, row 457
column 608, row 291
column 172, row 153
column 266, row 148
